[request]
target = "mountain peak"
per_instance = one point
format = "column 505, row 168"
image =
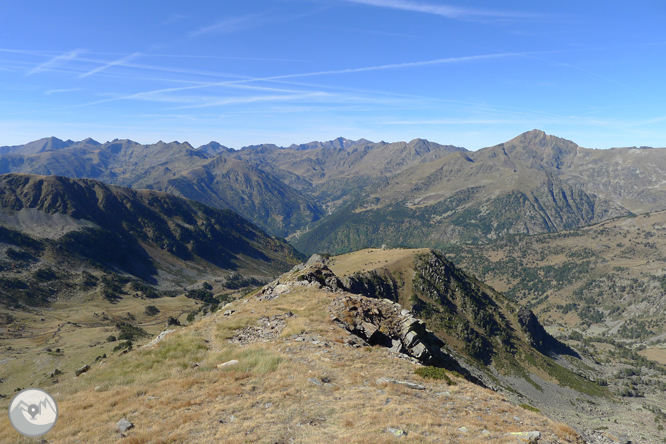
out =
column 340, row 143
column 534, row 134
column 90, row 141
column 214, row 148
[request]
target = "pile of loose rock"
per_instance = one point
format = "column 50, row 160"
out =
column 267, row 330
column 386, row 323
column 312, row 274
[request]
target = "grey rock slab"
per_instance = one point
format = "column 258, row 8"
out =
column 123, row 425
column 227, row 364
column 407, row 384
column 158, row 338
column 396, row 432
column 82, row 370
column 419, row 350
column 316, row 381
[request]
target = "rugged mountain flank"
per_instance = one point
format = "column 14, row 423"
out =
column 132, row 230
column 173, row 167
column 498, row 340
column 517, row 187
column 252, row 192
column 469, row 316
column 89, row 269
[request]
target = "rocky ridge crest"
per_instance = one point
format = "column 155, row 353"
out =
column 370, row 321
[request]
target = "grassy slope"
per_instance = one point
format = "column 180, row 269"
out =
column 175, row 393
column 68, row 291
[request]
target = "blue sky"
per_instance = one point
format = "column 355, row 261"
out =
column 473, row 73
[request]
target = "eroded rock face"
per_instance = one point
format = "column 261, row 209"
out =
column 315, row 275
column 535, row 333
column 386, row 323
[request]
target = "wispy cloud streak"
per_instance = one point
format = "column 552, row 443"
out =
column 227, row 25
column 399, row 65
column 452, row 12
column 450, row 60
column 254, row 99
column 55, row 61
column 57, row 91
column 119, row 62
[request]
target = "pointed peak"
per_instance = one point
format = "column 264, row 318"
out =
column 90, row 141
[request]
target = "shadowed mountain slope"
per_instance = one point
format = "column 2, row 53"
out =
column 125, row 228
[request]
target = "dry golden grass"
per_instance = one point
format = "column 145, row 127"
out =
column 565, row 432
column 371, row 259
column 174, row 393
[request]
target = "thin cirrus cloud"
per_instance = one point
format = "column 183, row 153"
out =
column 254, row 99
column 228, row 25
column 55, row 61
column 118, row 62
column 452, row 12
column 449, row 60
column 58, row 91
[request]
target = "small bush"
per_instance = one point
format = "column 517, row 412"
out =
column 18, row 255
column 434, row 373
column 46, row 274
column 123, row 345
column 190, row 317
column 201, row 295
column 130, row 332
column 111, row 295
column 88, row 280
column 151, row 310
column 147, row 290
column 236, row 281
column 111, row 339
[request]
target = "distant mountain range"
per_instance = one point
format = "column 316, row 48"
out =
column 341, row 195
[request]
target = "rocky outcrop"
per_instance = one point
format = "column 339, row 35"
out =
column 158, row 338
column 533, row 330
column 313, row 274
column 386, row 323
column 538, row 337
column 82, row 370
column 374, row 283
column 370, row 321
